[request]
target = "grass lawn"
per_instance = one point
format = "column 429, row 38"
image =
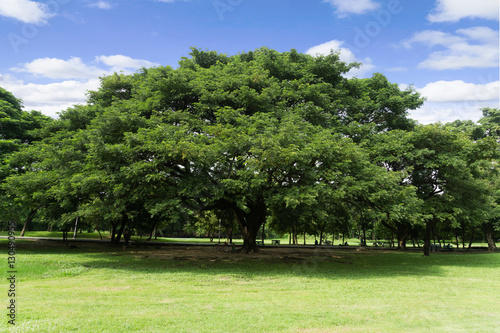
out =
column 98, row 288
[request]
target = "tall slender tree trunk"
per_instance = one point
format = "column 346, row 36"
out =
column 28, row 221
column 427, row 238
column 471, row 239
column 76, row 228
column 263, row 232
column 152, row 231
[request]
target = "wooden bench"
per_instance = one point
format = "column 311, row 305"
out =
column 275, row 242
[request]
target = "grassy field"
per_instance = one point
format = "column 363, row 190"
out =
column 98, row 288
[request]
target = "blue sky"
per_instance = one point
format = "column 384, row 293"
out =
column 52, row 51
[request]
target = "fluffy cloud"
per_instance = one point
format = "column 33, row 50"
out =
column 122, row 63
column 455, row 10
column 448, row 112
column 346, row 55
column 460, row 91
column 49, row 98
column 475, row 47
column 26, row 11
column 71, row 78
column 75, row 68
column 451, row 100
column 55, row 68
column 346, row 7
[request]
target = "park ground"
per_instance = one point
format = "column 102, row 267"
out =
column 95, row 287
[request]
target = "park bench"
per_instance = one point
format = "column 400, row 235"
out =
column 275, row 242
column 448, row 248
column 258, row 243
column 435, row 247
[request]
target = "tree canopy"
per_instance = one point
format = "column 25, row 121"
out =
column 259, row 134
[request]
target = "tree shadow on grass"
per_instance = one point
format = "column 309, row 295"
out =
column 299, row 262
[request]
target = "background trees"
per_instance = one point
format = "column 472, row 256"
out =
column 17, row 131
column 258, row 135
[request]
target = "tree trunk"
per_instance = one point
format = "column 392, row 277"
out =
column 263, row 232
column 250, row 224
column 403, row 229
column 294, row 235
column 471, row 239
column 76, row 227
column 427, row 239
column 152, row 231
column 113, row 232
column 364, row 236
column 463, row 236
column 121, row 230
column 489, row 232
column 230, row 232
column 28, row 221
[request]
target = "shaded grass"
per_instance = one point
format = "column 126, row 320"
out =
column 105, row 289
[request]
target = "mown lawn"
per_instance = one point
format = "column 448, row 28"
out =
column 106, row 289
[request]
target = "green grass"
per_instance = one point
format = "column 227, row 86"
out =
column 107, row 289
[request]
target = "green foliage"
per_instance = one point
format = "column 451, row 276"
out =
column 18, row 129
column 255, row 135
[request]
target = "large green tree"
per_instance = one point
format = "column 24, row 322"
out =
column 251, row 134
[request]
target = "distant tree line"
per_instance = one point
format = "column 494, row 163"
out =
column 258, row 142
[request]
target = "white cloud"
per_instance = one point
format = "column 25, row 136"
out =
column 55, row 68
column 49, row 98
column 26, row 11
column 72, row 78
column 447, row 112
column 455, row 10
column 451, row 100
column 122, row 63
column 475, row 47
column 460, row 91
column 101, row 5
column 75, row 68
column 346, row 7
column 346, row 55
